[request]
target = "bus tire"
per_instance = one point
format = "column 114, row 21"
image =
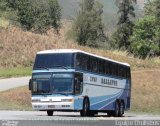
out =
column 86, row 107
column 109, row 114
column 92, row 113
column 121, row 109
column 50, row 112
column 116, row 110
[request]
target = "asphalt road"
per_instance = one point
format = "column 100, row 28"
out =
column 42, row 115
column 35, row 118
column 9, row 83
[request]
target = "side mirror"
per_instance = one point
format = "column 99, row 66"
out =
column 30, row 84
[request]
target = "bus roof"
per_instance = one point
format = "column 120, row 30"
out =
column 80, row 51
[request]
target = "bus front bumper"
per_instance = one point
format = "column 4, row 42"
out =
column 53, row 106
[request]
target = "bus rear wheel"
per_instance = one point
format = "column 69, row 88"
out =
column 121, row 109
column 85, row 110
column 92, row 113
column 50, row 112
column 116, row 110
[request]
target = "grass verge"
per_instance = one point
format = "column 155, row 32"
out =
column 15, row 99
column 15, row 72
column 145, row 91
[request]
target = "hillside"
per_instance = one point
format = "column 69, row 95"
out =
column 18, row 48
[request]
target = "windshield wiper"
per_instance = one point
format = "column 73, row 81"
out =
column 42, row 68
column 61, row 67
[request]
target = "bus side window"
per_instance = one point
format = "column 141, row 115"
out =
column 78, row 83
column 78, row 61
column 101, row 67
column 82, row 61
column 107, row 68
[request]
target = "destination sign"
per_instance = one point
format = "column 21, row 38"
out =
column 103, row 81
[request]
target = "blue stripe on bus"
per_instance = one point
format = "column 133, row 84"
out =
column 106, row 102
column 100, row 104
column 96, row 102
column 110, row 105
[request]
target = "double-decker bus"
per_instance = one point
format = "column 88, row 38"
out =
column 74, row 80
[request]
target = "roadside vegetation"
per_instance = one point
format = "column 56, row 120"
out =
column 15, row 72
column 15, row 99
column 145, row 91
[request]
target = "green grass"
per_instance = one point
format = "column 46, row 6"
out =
column 4, row 23
column 15, row 72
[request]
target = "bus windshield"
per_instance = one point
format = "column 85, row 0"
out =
column 56, row 60
column 62, row 85
column 57, row 84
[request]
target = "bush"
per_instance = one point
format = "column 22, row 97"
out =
column 143, row 42
column 37, row 15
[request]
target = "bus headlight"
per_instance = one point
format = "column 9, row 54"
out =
column 67, row 100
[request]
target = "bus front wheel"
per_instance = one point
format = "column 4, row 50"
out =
column 85, row 110
column 50, row 112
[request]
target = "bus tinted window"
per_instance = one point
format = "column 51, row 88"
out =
column 120, row 71
column 107, row 68
column 102, row 67
column 53, row 60
column 82, row 61
column 97, row 65
column 93, row 65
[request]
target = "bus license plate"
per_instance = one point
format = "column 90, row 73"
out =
column 51, row 106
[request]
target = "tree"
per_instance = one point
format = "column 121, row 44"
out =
column 149, row 7
column 37, row 15
column 88, row 28
column 12, row 3
column 125, row 23
column 152, row 8
column 143, row 38
column 157, row 16
column 25, row 13
column 55, row 14
column 145, row 41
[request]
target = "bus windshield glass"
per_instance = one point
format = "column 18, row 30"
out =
column 56, row 60
column 62, row 86
column 57, row 84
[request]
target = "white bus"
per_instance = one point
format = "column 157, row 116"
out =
column 74, row 80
